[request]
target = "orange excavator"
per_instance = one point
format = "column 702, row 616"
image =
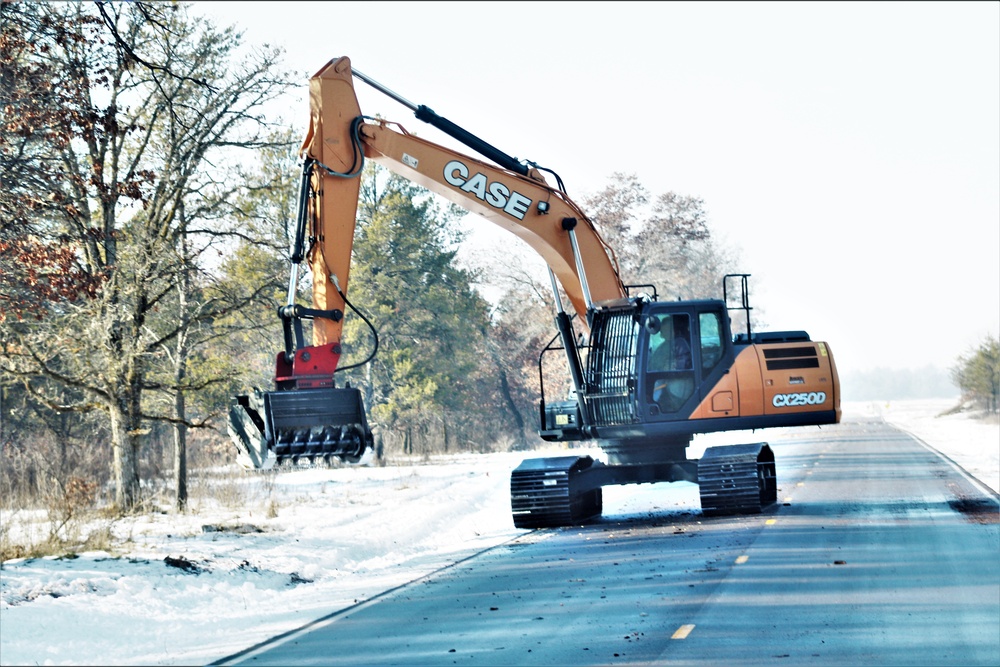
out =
column 647, row 375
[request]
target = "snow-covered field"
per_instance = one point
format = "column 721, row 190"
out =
column 281, row 551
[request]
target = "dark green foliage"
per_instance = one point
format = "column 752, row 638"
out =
column 431, row 322
column 977, row 374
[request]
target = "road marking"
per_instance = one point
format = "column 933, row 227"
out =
column 788, row 499
column 683, row 631
column 800, row 484
column 770, row 522
column 742, row 559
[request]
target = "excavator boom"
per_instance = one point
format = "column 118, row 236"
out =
column 322, row 420
column 515, row 197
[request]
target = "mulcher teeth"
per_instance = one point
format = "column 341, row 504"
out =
column 305, row 424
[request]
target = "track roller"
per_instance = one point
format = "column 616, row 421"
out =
column 549, row 492
column 737, row 479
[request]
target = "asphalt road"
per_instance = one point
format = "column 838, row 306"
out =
column 878, row 551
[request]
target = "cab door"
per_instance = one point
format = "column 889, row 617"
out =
column 683, row 349
column 717, row 389
column 669, row 375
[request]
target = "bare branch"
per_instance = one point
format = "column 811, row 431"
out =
column 127, row 48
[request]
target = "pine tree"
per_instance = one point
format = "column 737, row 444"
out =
column 430, row 321
column 977, row 374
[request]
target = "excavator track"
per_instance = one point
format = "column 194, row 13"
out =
column 737, row 479
column 546, row 493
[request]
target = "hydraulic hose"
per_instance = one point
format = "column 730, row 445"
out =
column 374, row 331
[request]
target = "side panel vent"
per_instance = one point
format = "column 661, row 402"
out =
column 788, row 358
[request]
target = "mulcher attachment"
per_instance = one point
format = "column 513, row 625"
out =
column 550, row 492
column 310, row 424
column 737, row 479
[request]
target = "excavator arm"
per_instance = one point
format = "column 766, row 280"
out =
column 308, row 416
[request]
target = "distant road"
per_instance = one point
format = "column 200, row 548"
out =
column 878, row 552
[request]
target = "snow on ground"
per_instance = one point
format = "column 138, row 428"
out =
column 271, row 553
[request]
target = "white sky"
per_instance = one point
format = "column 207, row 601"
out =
column 851, row 151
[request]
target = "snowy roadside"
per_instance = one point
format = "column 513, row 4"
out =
column 974, row 444
column 310, row 542
column 190, row 589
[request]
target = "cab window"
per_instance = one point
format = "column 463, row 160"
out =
column 710, row 341
column 670, row 345
column 670, row 369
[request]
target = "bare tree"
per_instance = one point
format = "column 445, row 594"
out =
column 664, row 240
column 155, row 106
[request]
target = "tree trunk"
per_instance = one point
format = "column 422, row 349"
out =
column 180, row 455
column 180, row 373
column 444, row 429
column 520, row 439
column 125, row 408
column 125, row 444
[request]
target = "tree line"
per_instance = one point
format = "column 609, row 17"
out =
column 146, row 210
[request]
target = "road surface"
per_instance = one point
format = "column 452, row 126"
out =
column 879, row 551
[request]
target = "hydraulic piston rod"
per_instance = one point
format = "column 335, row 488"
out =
column 428, row 115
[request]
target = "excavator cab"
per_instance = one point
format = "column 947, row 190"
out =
column 650, row 362
column 682, row 349
column 662, row 371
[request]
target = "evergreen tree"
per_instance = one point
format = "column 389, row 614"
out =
column 430, row 321
column 977, row 374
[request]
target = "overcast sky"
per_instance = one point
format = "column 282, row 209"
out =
column 850, row 151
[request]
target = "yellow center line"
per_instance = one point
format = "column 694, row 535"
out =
column 770, row 522
column 742, row 559
column 788, row 499
column 683, row 631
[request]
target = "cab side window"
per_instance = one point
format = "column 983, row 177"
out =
column 710, row 341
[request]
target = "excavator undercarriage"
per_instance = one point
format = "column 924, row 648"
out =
column 566, row 490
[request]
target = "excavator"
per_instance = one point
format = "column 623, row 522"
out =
column 646, row 374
